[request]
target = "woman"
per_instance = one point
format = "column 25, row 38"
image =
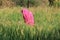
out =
column 28, row 16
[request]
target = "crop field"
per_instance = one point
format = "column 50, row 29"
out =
column 47, row 24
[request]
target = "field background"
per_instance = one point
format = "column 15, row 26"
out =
column 47, row 23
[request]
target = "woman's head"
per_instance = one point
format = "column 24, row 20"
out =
column 24, row 10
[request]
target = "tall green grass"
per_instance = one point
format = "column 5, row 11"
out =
column 47, row 24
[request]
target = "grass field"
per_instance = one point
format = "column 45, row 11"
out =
column 47, row 24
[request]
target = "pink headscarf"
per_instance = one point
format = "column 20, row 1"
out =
column 28, row 16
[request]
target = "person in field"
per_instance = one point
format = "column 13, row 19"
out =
column 28, row 16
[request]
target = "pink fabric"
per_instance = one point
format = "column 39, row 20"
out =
column 28, row 16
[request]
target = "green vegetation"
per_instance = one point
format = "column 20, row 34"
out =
column 46, row 15
column 32, row 3
column 47, row 24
